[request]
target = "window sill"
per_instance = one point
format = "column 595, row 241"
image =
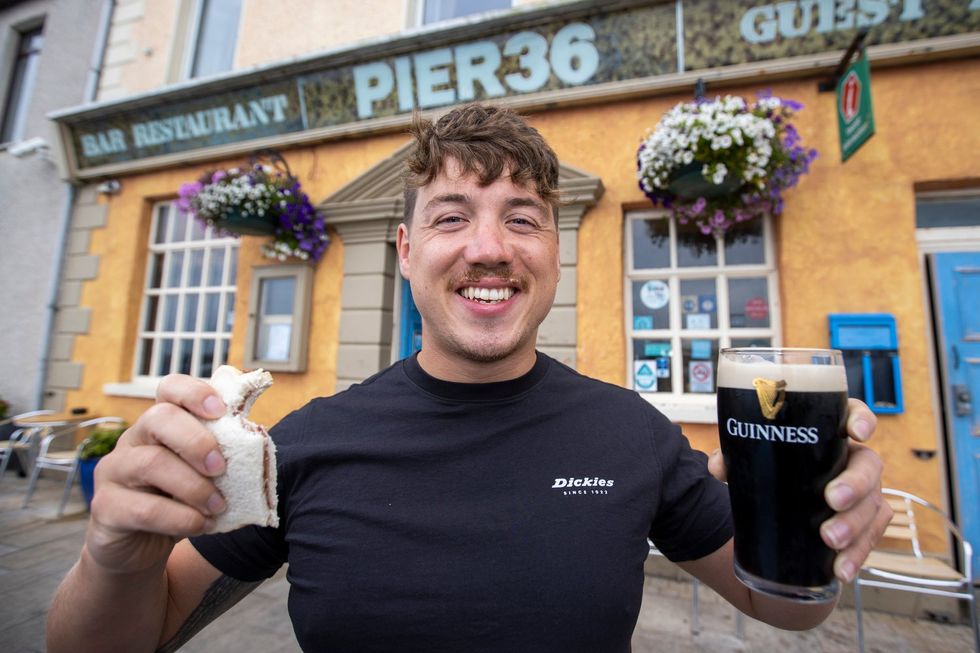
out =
column 690, row 410
column 145, row 388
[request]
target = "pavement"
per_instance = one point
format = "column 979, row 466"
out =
column 37, row 548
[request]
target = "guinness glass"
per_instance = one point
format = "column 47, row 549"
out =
column 781, row 420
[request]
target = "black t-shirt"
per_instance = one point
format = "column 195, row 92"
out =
column 423, row 515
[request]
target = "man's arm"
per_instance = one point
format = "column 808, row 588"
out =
column 861, row 517
column 138, row 582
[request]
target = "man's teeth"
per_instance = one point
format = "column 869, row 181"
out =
column 487, row 294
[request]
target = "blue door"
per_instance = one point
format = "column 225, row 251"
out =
column 957, row 287
column 410, row 334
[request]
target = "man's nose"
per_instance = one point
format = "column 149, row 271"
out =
column 489, row 245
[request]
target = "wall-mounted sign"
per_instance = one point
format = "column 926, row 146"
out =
column 855, row 115
column 556, row 48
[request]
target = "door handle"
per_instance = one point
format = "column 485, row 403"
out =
column 962, row 401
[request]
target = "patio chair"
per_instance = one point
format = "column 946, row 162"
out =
column 911, row 570
column 21, row 443
column 696, row 604
column 65, row 460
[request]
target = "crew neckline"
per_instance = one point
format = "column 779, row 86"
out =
column 494, row 391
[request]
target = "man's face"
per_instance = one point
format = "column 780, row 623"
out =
column 483, row 264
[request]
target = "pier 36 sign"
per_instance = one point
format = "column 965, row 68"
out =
column 553, row 49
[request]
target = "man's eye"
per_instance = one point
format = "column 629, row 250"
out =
column 450, row 219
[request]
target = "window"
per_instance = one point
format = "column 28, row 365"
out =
column 189, row 297
column 434, row 11
column 687, row 295
column 279, row 315
column 216, row 37
column 22, row 78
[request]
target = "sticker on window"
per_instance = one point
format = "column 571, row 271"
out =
column 644, row 375
column 701, row 374
column 689, row 303
column 698, row 321
column 655, row 294
column 706, row 303
column 701, row 349
column 656, row 349
column 642, row 322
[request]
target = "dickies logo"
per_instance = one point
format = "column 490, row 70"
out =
column 582, row 485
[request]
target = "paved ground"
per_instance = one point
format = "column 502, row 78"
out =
column 36, row 549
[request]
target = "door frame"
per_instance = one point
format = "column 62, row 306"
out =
column 936, row 241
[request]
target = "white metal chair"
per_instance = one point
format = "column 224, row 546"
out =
column 911, row 570
column 696, row 603
column 22, row 442
column 65, row 460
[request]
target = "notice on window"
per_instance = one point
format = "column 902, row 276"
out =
column 698, row 321
column 655, row 294
column 701, row 374
column 277, row 346
column 644, row 376
column 701, row 349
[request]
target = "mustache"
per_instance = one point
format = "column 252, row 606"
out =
column 473, row 275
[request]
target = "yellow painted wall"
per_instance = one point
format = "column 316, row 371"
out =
column 845, row 243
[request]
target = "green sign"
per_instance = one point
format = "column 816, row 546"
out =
column 855, row 116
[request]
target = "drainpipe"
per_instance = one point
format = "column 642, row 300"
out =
column 91, row 89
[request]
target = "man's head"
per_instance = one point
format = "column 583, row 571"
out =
column 487, row 141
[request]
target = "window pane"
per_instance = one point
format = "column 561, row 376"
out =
column 186, row 354
column 216, row 267
column 277, row 296
column 156, row 271
column 699, row 304
column 198, row 230
column 748, row 300
column 170, row 313
column 211, row 312
column 166, row 354
column 163, row 219
column 743, row 243
column 229, row 311
column 146, row 356
column 651, row 244
column 190, row 312
column 699, row 365
column 232, row 267
column 175, row 269
column 206, row 358
column 152, row 303
column 751, row 342
column 222, row 351
column 273, row 341
column 694, row 249
column 179, row 234
column 651, row 305
column 651, row 365
column 196, row 268
column 947, row 212
column 436, row 10
column 216, row 38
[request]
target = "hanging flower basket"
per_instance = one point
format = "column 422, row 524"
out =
column 259, row 199
column 720, row 162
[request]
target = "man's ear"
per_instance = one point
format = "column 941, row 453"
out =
column 402, row 246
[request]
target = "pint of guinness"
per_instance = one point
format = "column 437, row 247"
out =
column 781, row 420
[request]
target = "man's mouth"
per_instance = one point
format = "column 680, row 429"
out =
column 486, row 295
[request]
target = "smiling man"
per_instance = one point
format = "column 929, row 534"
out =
column 478, row 496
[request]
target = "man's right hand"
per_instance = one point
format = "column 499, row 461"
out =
column 156, row 486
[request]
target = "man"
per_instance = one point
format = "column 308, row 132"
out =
column 477, row 497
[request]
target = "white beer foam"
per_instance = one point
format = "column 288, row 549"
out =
column 799, row 378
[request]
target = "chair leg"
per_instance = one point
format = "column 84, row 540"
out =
column 6, row 460
column 33, row 484
column 973, row 620
column 695, row 607
column 69, row 482
column 860, row 618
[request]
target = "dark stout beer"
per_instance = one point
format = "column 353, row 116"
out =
column 782, row 430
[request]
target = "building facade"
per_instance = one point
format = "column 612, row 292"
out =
column 49, row 52
column 876, row 254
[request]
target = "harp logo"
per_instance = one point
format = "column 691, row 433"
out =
column 772, row 396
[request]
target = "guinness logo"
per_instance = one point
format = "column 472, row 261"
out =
column 772, row 396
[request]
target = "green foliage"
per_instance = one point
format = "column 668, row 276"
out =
column 102, row 441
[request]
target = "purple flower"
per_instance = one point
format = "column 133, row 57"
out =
column 698, row 206
column 218, row 176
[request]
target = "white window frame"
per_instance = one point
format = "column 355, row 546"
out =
column 299, row 320
column 676, row 404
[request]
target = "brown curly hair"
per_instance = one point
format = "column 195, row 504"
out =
column 485, row 140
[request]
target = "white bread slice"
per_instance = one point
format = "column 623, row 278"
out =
column 249, row 482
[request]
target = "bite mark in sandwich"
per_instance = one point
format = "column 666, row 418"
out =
column 249, row 482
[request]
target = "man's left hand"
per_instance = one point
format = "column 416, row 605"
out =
column 862, row 513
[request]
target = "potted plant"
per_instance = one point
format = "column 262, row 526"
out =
column 102, row 440
column 722, row 161
column 259, row 199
